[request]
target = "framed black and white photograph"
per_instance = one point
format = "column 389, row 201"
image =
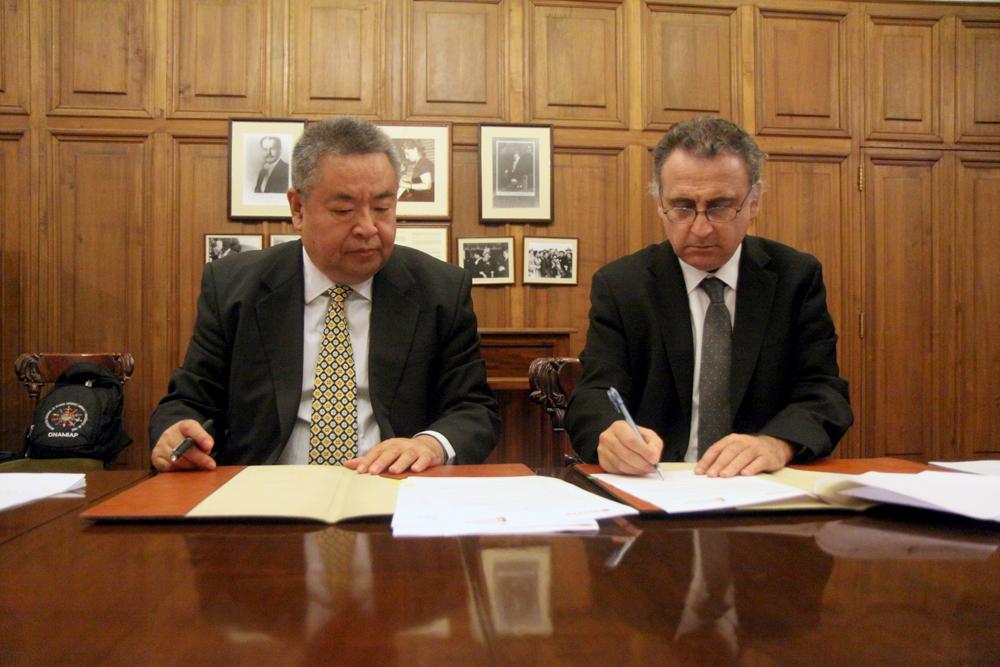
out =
column 429, row 238
column 278, row 239
column 489, row 260
column 260, row 158
column 515, row 173
column 222, row 245
column 425, row 181
column 550, row 261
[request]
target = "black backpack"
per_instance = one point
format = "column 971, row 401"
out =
column 80, row 417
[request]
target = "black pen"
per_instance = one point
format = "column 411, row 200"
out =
column 616, row 400
column 186, row 443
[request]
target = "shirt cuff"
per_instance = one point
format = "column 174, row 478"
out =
column 449, row 451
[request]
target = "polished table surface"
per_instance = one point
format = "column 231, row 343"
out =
column 890, row 586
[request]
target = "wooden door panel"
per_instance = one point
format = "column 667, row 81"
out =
column 978, row 241
column 802, row 81
column 690, row 63
column 906, row 374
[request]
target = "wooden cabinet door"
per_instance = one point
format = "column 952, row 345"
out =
column 903, row 55
column 907, row 361
column 977, row 241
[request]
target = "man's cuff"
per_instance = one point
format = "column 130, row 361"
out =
column 449, row 451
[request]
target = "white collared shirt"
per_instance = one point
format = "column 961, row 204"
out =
column 698, row 301
column 358, row 309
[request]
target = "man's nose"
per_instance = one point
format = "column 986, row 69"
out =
column 700, row 226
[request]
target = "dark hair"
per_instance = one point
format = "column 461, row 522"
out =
column 708, row 136
column 337, row 136
column 276, row 140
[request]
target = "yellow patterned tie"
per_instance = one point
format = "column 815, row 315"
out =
column 333, row 434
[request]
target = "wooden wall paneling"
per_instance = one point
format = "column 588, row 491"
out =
column 219, row 55
column 806, row 204
column 456, row 56
column 590, row 190
column 14, row 195
column 201, row 173
column 576, row 55
column 338, row 61
column 690, row 62
column 907, row 386
column 92, row 264
column 802, row 77
column 977, row 249
column 978, row 80
column 102, row 58
column 492, row 302
column 14, row 57
column 903, row 61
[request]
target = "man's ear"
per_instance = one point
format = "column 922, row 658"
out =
column 295, row 204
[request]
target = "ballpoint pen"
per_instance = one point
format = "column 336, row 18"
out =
column 616, row 400
column 186, row 443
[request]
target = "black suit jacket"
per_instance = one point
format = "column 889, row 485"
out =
column 784, row 379
column 278, row 182
column 243, row 367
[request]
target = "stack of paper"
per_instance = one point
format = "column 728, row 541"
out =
column 684, row 491
column 442, row 506
column 19, row 488
column 974, row 496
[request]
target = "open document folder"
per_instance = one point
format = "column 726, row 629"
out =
column 680, row 490
column 429, row 506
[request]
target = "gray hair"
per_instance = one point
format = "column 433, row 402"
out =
column 337, row 136
column 707, row 137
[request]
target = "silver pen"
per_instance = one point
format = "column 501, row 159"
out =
column 616, row 400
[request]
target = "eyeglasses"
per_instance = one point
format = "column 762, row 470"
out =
column 720, row 215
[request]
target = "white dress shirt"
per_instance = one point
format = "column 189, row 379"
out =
column 698, row 302
column 358, row 309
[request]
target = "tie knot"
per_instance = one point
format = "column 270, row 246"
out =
column 715, row 288
column 339, row 293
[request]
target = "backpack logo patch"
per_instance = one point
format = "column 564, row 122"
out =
column 66, row 417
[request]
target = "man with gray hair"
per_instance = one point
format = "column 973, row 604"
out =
column 720, row 344
column 341, row 348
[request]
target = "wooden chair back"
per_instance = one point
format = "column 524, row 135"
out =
column 37, row 369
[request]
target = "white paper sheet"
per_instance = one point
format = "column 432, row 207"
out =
column 427, row 506
column 20, row 488
column 684, row 491
column 987, row 467
column 974, row 496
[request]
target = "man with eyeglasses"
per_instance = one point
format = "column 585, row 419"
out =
column 720, row 344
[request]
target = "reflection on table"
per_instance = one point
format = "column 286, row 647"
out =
column 894, row 586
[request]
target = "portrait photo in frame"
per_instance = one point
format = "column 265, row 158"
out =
column 223, row 244
column 490, row 260
column 278, row 239
column 515, row 173
column 549, row 261
column 260, row 159
column 425, row 181
column 429, row 238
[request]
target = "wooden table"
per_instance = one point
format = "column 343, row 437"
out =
column 890, row 586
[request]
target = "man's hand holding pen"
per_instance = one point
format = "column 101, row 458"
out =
column 189, row 443
column 625, row 448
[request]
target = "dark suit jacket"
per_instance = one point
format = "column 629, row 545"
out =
column 244, row 364
column 278, row 181
column 784, row 380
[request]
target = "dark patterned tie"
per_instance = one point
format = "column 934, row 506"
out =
column 333, row 434
column 714, row 420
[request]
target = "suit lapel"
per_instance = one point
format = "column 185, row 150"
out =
column 754, row 298
column 279, row 319
column 393, row 323
column 674, row 313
